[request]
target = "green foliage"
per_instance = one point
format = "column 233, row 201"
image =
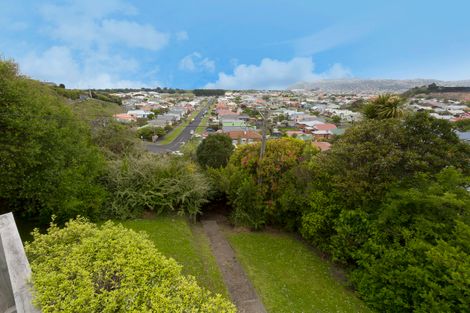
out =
column 214, row 151
column 384, row 106
column 208, row 92
column 156, row 183
column 48, row 164
column 336, row 119
column 111, row 269
column 257, row 189
column 187, row 243
column 372, row 155
column 147, row 132
column 103, row 96
column 463, row 125
column 115, row 140
column 404, row 253
column 73, row 94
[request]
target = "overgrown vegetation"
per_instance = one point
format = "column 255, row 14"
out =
column 111, row 269
column 49, row 164
column 155, row 183
column 389, row 201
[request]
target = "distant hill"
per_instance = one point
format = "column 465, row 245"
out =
column 374, row 85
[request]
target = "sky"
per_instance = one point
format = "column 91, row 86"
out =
column 255, row 44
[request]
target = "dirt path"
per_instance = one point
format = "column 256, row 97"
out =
column 239, row 286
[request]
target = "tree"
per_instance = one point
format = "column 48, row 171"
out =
column 372, row 155
column 111, row 269
column 48, row 163
column 215, row 151
column 384, row 106
column 336, row 119
column 260, row 190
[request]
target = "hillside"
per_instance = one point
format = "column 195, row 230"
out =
column 374, row 85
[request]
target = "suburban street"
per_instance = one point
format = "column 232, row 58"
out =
column 181, row 139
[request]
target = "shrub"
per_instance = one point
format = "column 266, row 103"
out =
column 147, row 132
column 215, row 151
column 151, row 182
column 83, row 267
column 258, row 189
column 48, row 163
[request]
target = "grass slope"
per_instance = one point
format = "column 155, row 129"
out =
column 189, row 246
column 92, row 109
column 290, row 277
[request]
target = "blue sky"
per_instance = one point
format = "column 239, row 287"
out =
column 234, row 44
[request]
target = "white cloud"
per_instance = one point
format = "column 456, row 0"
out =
column 337, row 71
column 84, row 24
column 182, row 36
column 133, row 34
column 275, row 74
column 58, row 64
column 196, row 62
column 89, row 38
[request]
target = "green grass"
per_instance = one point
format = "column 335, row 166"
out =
column 178, row 130
column 188, row 245
column 92, row 109
column 290, row 277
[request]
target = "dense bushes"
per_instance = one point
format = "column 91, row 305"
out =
column 83, row 267
column 153, row 182
column 256, row 188
column 390, row 201
column 48, row 164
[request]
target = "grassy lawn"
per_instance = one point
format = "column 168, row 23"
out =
column 290, row 277
column 178, row 130
column 188, row 245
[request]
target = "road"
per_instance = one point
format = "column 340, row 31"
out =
column 182, row 138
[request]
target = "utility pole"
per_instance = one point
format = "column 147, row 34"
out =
column 265, row 115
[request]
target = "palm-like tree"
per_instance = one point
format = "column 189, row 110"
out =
column 385, row 106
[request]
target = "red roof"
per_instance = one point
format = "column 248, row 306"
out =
column 250, row 134
column 323, row 146
column 325, row 126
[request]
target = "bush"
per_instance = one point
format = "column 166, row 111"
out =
column 147, row 132
column 151, row 182
column 83, row 267
column 48, row 163
column 257, row 189
column 215, row 151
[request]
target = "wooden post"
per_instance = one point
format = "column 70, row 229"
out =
column 15, row 273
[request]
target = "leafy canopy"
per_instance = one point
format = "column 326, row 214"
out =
column 214, row 151
column 111, row 269
column 48, row 163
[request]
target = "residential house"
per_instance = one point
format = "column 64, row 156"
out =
column 124, row 118
column 244, row 137
column 139, row 113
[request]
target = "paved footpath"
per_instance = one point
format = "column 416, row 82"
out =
column 239, row 286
